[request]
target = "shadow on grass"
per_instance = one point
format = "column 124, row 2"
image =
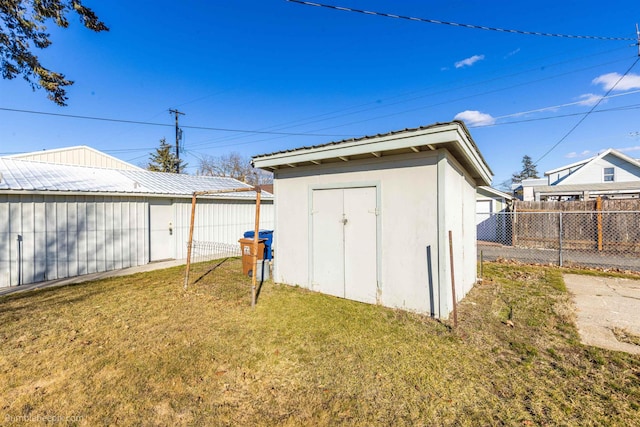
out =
column 258, row 290
column 47, row 296
column 203, row 275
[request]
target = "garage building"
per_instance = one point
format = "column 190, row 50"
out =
column 368, row 219
column 61, row 220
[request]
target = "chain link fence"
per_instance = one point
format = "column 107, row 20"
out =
column 603, row 239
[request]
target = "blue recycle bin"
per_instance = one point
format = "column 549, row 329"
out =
column 263, row 234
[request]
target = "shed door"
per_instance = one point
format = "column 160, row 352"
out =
column 161, row 224
column 344, row 247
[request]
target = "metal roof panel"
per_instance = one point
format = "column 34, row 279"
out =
column 25, row 175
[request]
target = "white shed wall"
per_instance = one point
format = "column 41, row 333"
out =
column 421, row 197
column 408, row 224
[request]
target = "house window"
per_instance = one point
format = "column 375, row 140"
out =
column 609, row 174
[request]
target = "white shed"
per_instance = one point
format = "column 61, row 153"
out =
column 368, row 219
column 59, row 221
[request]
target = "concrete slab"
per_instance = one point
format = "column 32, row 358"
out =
column 604, row 303
column 95, row 276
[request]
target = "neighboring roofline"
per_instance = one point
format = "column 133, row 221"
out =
column 495, row 192
column 633, row 186
column 134, row 177
column 612, row 151
column 453, row 136
column 264, row 195
column 21, row 156
column 572, row 165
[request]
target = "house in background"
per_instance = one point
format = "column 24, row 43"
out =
column 611, row 175
column 491, row 221
column 368, row 219
column 63, row 220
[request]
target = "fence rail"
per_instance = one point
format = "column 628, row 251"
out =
column 607, row 239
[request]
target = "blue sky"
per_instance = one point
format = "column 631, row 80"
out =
column 323, row 75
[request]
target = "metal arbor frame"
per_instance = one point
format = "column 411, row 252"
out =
column 254, row 247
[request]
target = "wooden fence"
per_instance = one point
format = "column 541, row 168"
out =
column 595, row 225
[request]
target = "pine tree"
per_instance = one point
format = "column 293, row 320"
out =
column 23, row 34
column 528, row 171
column 165, row 160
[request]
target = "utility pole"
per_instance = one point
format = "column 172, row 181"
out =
column 177, row 113
column 638, row 38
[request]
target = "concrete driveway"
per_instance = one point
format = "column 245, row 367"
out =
column 604, row 303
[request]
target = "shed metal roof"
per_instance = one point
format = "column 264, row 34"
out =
column 18, row 175
column 453, row 136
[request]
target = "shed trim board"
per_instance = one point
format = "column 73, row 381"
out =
column 425, row 185
column 438, row 295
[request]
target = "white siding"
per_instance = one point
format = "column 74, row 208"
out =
column 64, row 236
column 421, row 198
column 220, row 221
column 593, row 172
column 408, row 223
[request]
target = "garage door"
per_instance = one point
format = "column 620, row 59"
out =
column 344, row 247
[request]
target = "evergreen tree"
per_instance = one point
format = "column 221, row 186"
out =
column 23, row 27
column 528, row 171
column 165, row 160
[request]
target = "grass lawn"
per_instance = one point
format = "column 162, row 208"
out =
column 138, row 350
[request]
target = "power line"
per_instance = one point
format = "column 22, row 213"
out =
column 382, row 103
column 588, row 112
column 457, row 24
column 337, row 115
column 105, row 119
column 558, row 116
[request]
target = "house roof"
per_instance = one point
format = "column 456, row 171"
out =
column 571, row 166
column 597, row 188
column 593, row 159
column 80, row 155
column 453, row 136
column 17, row 175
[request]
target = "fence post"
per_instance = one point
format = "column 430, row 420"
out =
column 560, row 239
column 599, row 209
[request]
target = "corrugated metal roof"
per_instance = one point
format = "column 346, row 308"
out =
column 380, row 135
column 25, row 175
column 452, row 136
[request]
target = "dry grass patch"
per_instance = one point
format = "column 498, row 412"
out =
column 138, row 350
column 626, row 336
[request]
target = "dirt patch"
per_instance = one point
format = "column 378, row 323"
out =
column 605, row 305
